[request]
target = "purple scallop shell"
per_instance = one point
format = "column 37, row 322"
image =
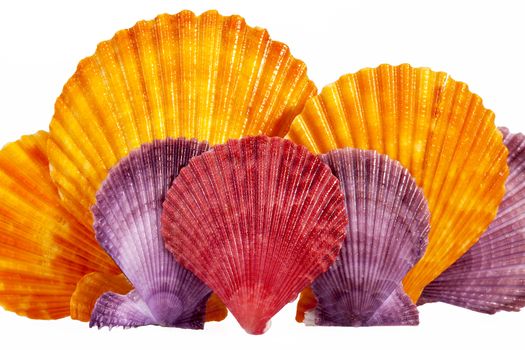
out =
column 127, row 225
column 490, row 277
column 387, row 234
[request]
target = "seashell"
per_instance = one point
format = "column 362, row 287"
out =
column 208, row 77
column 387, row 234
column 127, row 226
column 307, row 301
column 44, row 251
column 490, row 277
column 90, row 288
column 438, row 130
column 257, row 220
column 215, row 309
column 93, row 285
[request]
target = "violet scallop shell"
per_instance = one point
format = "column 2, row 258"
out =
column 127, row 224
column 490, row 276
column 387, row 234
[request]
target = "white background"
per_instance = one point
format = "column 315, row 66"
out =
column 479, row 42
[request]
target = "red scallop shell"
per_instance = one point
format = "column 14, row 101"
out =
column 257, row 219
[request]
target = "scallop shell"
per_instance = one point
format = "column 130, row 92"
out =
column 93, row 285
column 491, row 276
column 437, row 129
column 307, row 301
column 208, row 77
column 127, row 225
column 387, row 234
column 257, row 220
column 44, row 251
column 215, row 309
column 90, row 288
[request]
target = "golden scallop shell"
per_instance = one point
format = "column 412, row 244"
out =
column 44, row 251
column 437, row 129
column 90, row 288
column 208, row 77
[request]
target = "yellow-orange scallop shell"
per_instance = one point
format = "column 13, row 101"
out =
column 208, row 77
column 44, row 250
column 51, row 266
column 436, row 128
column 90, row 288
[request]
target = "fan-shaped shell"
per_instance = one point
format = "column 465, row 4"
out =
column 208, row 77
column 127, row 225
column 90, row 288
column 491, row 276
column 437, row 129
column 387, row 234
column 44, row 251
column 257, row 220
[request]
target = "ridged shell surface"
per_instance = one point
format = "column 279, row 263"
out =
column 257, row 220
column 438, row 130
column 490, row 277
column 208, row 77
column 127, row 225
column 93, row 285
column 44, row 251
column 386, row 235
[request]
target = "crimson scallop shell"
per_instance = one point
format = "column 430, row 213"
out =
column 257, row 219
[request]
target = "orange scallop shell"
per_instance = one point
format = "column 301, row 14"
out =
column 208, row 77
column 44, row 251
column 51, row 266
column 437, row 129
column 90, row 288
